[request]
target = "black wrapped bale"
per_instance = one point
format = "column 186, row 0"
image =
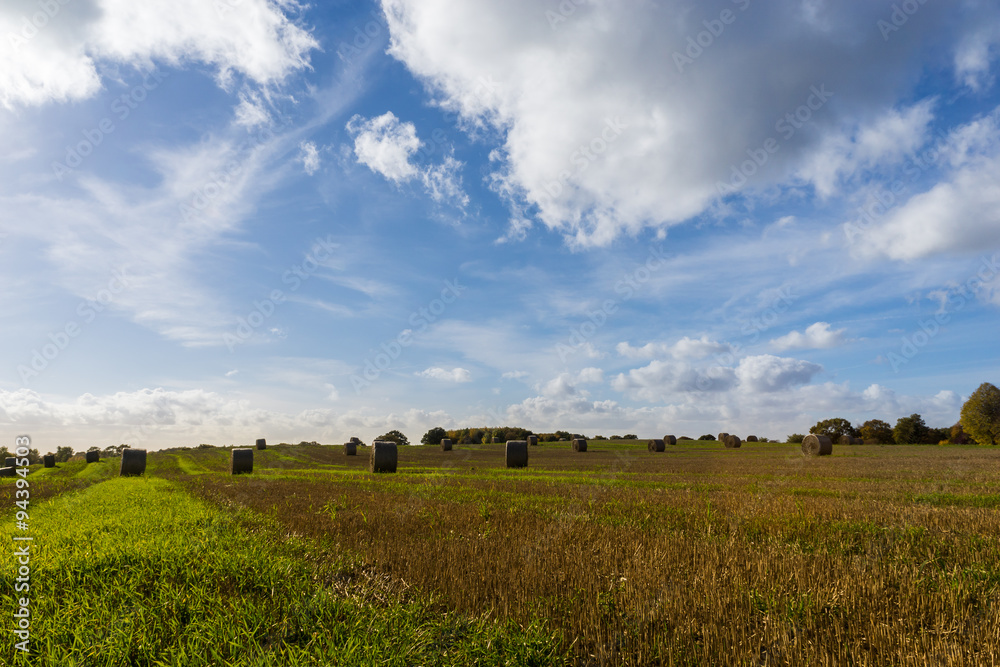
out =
column 261, row 443
column 10, row 462
column 445, row 444
column 669, row 440
column 241, row 461
column 93, row 457
column 384, row 456
column 579, row 445
column 517, row 454
column 350, row 449
column 733, row 442
column 656, row 445
column 532, row 440
column 49, row 460
column 133, row 462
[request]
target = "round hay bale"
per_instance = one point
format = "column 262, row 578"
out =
column 817, row 445
column 133, row 462
column 857, row 441
column 496, row 440
column 517, row 454
column 350, row 449
column 579, row 445
column 384, row 456
column 733, row 442
column 532, row 440
column 446, row 445
column 7, row 471
column 752, row 438
column 723, row 436
column 261, row 443
column 9, row 462
column 669, row 440
column 93, row 457
column 49, row 460
column 656, row 445
column 241, row 461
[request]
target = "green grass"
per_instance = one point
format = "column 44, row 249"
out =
column 145, row 574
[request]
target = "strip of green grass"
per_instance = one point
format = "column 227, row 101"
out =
column 137, row 572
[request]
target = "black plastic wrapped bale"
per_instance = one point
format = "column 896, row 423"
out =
column 516, row 455
column 656, row 445
column 384, row 456
column 49, row 460
column 445, row 444
column 93, row 457
column 261, row 443
column 817, row 445
column 669, row 440
column 133, row 462
column 579, row 445
column 241, row 461
column 350, row 449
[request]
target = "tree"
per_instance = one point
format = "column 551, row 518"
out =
column 63, row 454
column 834, row 428
column 394, row 436
column 707, row 436
column 5, row 453
column 959, row 436
column 876, row 429
column 796, row 438
column 981, row 415
column 910, row 430
column 940, row 436
column 434, row 436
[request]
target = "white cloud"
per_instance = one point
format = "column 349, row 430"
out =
column 686, row 349
column 974, row 55
column 251, row 112
column 386, row 146
column 602, row 140
column 62, row 59
column 514, row 375
column 454, row 375
column 767, row 373
column 309, row 157
column 817, row 336
column 663, row 380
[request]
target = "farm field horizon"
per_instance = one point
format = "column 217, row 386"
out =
column 699, row 555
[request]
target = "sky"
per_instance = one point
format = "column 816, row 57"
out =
column 263, row 218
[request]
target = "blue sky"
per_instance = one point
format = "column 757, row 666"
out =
column 222, row 221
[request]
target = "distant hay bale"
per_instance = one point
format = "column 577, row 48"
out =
column 10, row 462
column 496, row 440
column 817, row 445
column 133, row 462
column 517, row 454
column 93, row 457
column 49, row 460
column 848, row 440
column 669, row 440
column 723, row 436
column 579, row 445
column 656, row 445
column 241, row 461
column 532, row 440
column 7, row 471
column 350, row 449
column 261, row 443
column 857, row 441
column 446, row 445
column 384, row 456
column 733, row 442
column 752, row 438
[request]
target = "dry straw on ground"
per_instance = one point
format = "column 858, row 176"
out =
column 261, row 443
column 733, row 442
column 241, row 461
column 670, row 440
column 517, row 454
column 350, row 449
column 93, row 457
column 817, row 445
column 446, row 445
column 579, row 445
column 133, row 462
column 656, row 445
column 49, row 460
column 384, row 456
